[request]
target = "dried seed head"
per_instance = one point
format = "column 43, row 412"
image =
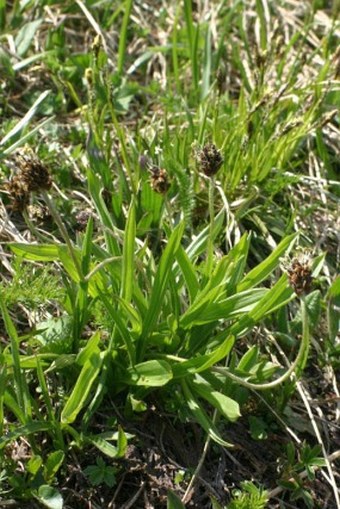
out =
column 210, row 159
column 300, row 274
column 18, row 193
column 39, row 212
column 83, row 218
column 159, row 180
column 33, row 174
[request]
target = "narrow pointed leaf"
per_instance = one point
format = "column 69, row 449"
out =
column 225, row 405
column 128, row 254
column 262, row 271
column 82, row 388
column 161, row 279
column 203, row 362
column 201, row 417
column 174, row 502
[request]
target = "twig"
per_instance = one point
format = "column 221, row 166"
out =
column 130, row 503
column 197, row 470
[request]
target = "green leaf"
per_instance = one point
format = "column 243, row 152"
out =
column 22, row 390
column 333, row 310
column 121, row 326
column 199, row 244
column 3, row 377
column 258, row 428
column 35, row 252
column 87, row 247
column 91, row 348
column 54, row 461
column 101, row 473
column 103, row 445
column 25, row 120
column 206, row 64
column 55, row 335
column 174, row 502
column 50, row 497
column 95, row 188
column 21, row 431
column 313, row 303
column 203, row 362
column 207, row 311
column 160, row 284
column 334, row 290
column 225, row 405
column 81, row 390
column 201, row 417
column 188, row 271
column 262, row 271
column 61, row 362
column 25, row 36
column 25, row 62
column 34, row 464
column 249, row 359
column 317, row 264
column 5, row 63
column 215, row 504
column 122, row 443
column 149, row 374
column 68, row 263
column 123, row 35
column 128, row 254
column 277, row 296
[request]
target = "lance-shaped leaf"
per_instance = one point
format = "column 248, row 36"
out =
column 82, row 388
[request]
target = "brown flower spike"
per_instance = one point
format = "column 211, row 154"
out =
column 18, row 193
column 159, row 180
column 300, row 276
column 32, row 176
column 210, row 159
column 83, row 218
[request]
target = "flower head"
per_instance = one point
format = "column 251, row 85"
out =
column 210, row 159
column 18, row 193
column 33, row 173
column 299, row 272
column 159, row 180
